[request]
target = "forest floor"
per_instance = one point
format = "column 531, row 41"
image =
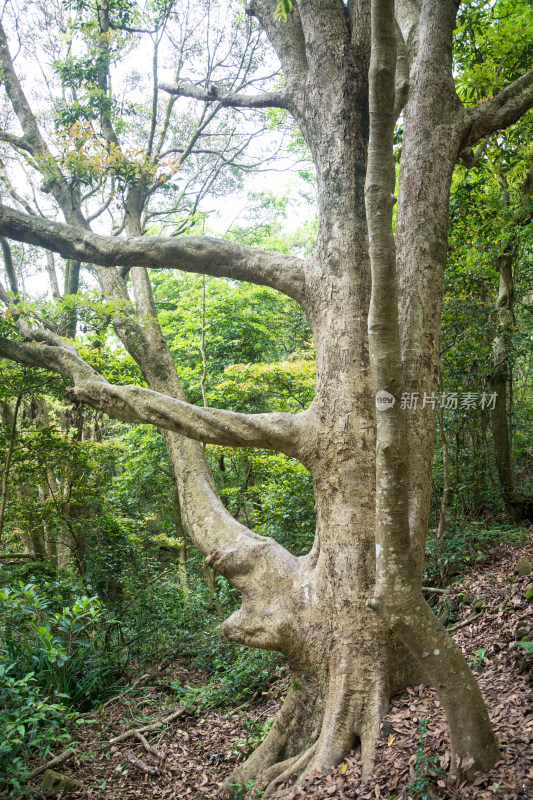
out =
column 196, row 753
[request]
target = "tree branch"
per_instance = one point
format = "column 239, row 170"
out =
column 503, row 110
column 9, row 266
column 200, row 254
column 401, row 82
column 230, row 99
column 32, row 136
column 275, row 431
column 286, row 38
column 16, row 141
column 408, row 15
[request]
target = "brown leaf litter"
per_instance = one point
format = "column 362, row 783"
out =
column 193, row 755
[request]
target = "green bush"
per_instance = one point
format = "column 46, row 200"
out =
column 68, row 651
column 235, row 674
column 29, row 725
column 464, row 544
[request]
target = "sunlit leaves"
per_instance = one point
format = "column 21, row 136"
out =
column 283, row 9
column 493, row 45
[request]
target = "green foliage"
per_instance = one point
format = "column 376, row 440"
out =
column 244, row 324
column 478, row 658
column 463, row 545
column 69, row 650
column 234, row 674
column 29, row 725
column 239, row 791
column 283, row 9
column 256, row 732
column 493, row 46
column 426, row 768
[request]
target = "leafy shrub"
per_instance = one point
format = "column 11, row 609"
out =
column 68, row 651
column 28, row 725
column 235, row 674
column 426, row 768
column 463, row 545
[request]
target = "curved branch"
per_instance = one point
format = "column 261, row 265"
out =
column 200, row 254
column 276, row 431
column 16, row 141
column 231, row 99
column 503, row 110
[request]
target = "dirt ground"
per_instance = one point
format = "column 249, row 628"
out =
column 194, row 754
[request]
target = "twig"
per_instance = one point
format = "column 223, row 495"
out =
column 436, row 591
column 166, row 721
column 126, row 691
column 246, row 703
column 146, row 768
column 148, row 747
column 464, row 623
column 60, row 759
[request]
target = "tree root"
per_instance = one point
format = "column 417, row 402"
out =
column 350, row 714
column 288, row 768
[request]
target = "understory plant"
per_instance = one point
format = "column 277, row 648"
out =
column 70, row 651
column 29, row 725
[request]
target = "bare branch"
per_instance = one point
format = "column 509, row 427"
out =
column 200, row 254
column 230, row 99
column 32, row 135
column 16, row 141
column 503, row 110
column 136, row 404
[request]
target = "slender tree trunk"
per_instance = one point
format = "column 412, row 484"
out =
column 445, row 473
column 180, row 533
column 12, row 417
column 500, row 381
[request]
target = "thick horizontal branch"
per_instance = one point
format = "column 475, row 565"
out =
column 230, row 99
column 211, row 425
column 199, row 254
column 276, row 431
column 503, row 110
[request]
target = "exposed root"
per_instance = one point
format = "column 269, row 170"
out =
column 297, row 725
column 293, row 767
column 322, row 739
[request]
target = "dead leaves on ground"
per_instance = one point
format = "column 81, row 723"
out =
column 198, row 753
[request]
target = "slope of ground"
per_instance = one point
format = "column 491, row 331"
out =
column 194, row 754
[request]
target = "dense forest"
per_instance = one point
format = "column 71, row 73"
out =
column 266, row 438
